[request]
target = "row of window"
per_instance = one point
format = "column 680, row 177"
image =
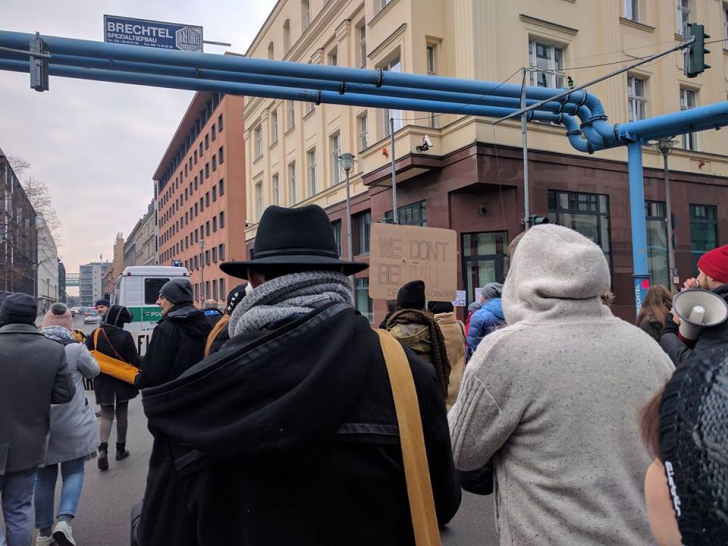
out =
column 194, row 210
column 197, row 181
column 205, row 257
column 637, row 101
column 194, row 237
column 684, row 11
column 214, row 289
column 195, row 131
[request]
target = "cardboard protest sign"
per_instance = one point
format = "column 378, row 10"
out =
column 400, row 254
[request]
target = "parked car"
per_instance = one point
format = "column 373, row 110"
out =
column 75, row 311
column 91, row 315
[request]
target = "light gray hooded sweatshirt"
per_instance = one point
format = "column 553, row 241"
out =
column 555, row 397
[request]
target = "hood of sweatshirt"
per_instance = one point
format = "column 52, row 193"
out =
column 555, row 274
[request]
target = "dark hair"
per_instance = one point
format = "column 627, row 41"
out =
column 650, row 424
column 656, row 306
column 391, row 306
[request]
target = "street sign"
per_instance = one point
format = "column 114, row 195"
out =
column 400, row 254
column 141, row 32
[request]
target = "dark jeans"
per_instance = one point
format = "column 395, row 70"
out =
column 16, row 494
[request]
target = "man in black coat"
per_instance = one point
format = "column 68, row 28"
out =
column 178, row 341
column 712, row 342
column 289, row 434
column 33, row 375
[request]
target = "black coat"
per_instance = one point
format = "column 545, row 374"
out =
column 653, row 328
column 33, row 375
column 290, row 437
column 109, row 389
column 178, row 342
column 213, row 316
column 711, row 344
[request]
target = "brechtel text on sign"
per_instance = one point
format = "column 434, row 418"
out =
column 140, row 32
column 400, row 254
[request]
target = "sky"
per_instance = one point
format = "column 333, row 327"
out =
column 95, row 144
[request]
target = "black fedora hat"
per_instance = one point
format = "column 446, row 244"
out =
column 298, row 236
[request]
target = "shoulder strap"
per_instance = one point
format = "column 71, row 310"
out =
column 412, row 440
column 96, row 339
column 111, row 345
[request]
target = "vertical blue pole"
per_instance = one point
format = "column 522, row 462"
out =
column 639, row 228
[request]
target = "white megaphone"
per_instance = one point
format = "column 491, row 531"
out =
column 698, row 309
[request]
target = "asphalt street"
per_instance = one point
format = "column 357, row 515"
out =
column 103, row 515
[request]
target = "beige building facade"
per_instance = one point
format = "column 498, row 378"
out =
column 291, row 147
column 140, row 247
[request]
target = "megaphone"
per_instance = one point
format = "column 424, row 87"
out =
column 698, row 309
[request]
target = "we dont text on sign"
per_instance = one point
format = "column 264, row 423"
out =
column 400, row 254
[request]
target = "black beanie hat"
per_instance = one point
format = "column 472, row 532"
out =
column 118, row 315
column 178, row 291
column 693, row 440
column 18, row 308
column 234, row 297
column 437, row 307
column 412, row 295
column 102, row 301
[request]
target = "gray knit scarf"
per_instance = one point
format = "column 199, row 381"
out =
column 278, row 299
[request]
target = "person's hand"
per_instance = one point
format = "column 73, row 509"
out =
column 691, row 284
column 675, row 317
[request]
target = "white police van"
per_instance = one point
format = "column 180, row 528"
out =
column 138, row 289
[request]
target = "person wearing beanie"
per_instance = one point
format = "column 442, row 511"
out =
column 102, row 305
column 113, row 395
column 73, row 438
column 685, row 427
column 713, row 276
column 552, row 398
column 488, row 317
column 220, row 333
column 453, row 332
column 33, row 375
column 415, row 327
column 178, row 341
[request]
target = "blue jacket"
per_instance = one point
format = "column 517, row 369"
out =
column 484, row 321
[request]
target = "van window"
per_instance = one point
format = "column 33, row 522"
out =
column 151, row 289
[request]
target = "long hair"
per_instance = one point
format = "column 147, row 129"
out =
column 649, row 419
column 657, row 304
column 215, row 331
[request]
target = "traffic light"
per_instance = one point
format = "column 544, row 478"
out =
column 694, row 55
column 535, row 220
column 39, row 64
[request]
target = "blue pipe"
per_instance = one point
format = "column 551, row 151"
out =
column 302, row 83
column 276, row 92
column 639, row 228
column 379, row 79
column 712, row 116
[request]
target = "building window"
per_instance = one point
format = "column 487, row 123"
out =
column 207, row 170
column 703, row 231
column 725, row 22
column 311, row 165
column 336, row 228
column 688, row 101
column 292, row 184
column 221, row 186
column 361, row 225
column 207, row 259
column 276, row 190
column 636, row 98
column 221, row 155
column 214, row 257
column 219, row 123
column 214, row 224
column 214, row 281
column 214, row 194
column 394, row 65
column 274, row 127
column 432, row 59
column 214, row 162
column 657, row 242
column 305, row 14
column 383, row 4
column 411, row 215
column 286, row 36
column 207, row 228
column 207, row 142
column 586, row 213
column 258, row 141
column 222, row 219
column 222, row 251
column 548, row 62
column 362, row 38
column 213, row 132
column 364, row 303
column 334, row 57
column 223, row 294
column 484, row 260
column 363, row 123
column 335, row 143
column 291, row 114
column 631, row 10
column 271, row 54
column 683, row 16
column 259, row 200
column 195, row 156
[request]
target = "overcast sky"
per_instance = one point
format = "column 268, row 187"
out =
column 97, row 145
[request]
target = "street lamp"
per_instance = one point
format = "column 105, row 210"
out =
column 346, row 161
column 202, row 260
column 665, row 146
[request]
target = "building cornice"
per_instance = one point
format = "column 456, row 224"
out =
column 548, row 24
column 388, row 42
